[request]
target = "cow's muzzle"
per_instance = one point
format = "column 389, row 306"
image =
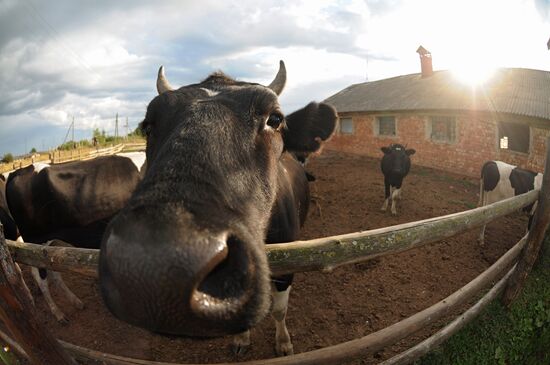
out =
column 159, row 272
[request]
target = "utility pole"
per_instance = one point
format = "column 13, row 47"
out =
column 68, row 130
column 73, row 131
column 116, row 127
column 126, row 126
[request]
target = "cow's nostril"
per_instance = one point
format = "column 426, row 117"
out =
column 227, row 285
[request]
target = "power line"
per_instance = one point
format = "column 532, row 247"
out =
column 57, row 37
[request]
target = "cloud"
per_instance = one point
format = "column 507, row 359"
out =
column 94, row 59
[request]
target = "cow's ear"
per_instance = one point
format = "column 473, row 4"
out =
column 410, row 151
column 386, row 150
column 308, row 127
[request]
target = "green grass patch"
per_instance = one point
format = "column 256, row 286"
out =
column 520, row 335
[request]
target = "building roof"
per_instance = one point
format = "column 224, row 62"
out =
column 510, row 90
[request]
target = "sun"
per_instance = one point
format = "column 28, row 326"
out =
column 473, row 74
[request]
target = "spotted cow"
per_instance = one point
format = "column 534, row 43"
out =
column 395, row 166
column 500, row 181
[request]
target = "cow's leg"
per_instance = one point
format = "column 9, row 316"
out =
column 482, row 202
column 280, row 291
column 57, row 280
column 41, row 278
column 396, row 195
column 241, row 343
column 387, row 191
column 481, row 238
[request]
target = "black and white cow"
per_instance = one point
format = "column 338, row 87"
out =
column 395, row 165
column 186, row 255
column 500, row 181
column 72, row 202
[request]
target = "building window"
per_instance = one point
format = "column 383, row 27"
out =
column 443, row 129
column 346, row 126
column 386, row 126
column 514, row 136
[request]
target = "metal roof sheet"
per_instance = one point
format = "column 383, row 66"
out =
column 510, row 90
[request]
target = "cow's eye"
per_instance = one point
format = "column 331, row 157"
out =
column 275, row 120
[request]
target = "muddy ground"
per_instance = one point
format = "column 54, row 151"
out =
column 329, row 308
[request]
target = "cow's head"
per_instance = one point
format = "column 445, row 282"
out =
column 397, row 158
column 186, row 255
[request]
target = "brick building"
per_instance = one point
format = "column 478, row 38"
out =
column 452, row 126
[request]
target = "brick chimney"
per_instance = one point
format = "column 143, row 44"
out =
column 425, row 62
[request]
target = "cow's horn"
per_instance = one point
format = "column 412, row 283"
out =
column 278, row 84
column 162, row 84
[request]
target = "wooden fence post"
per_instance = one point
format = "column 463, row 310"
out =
column 19, row 315
column 535, row 239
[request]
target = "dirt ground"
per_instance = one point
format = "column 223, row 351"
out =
column 329, row 308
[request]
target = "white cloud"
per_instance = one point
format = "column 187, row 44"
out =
column 92, row 60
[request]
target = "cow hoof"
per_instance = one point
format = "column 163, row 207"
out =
column 239, row 349
column 285, row 349
column 394, row 213
column 79, row 305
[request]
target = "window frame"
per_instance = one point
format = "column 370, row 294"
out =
column 340, row 125
column 513, row 141
column 378, row 122
column 451, row 134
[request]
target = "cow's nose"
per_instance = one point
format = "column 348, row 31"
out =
column 168, row 276
column 225, row 284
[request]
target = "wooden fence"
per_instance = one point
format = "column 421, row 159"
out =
column 60, row 156
column 319, row 254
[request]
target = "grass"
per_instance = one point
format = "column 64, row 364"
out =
column 7, row 357
column 519, row 336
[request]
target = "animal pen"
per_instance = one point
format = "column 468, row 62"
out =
column 34, row 342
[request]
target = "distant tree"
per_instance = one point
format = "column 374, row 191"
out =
column 8, row 158
column 99, row 136
column 137, row 133
column 33, row 150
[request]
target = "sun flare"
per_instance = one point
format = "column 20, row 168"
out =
column 473, row 75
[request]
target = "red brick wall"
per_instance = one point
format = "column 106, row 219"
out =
column 476, row 142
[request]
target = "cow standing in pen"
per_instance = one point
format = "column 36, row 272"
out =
column 186, row 255
column 8, row 224
column 395, row 165
column 72, row 202
column 500, row 181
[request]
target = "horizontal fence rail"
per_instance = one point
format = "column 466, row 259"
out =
column 301, row 256
column 62, row 156
column 353, row 349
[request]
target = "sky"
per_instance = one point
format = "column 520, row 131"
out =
column 90, row 60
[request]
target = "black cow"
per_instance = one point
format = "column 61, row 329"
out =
column 8, row 224
column 500, row 181
column 72, row 202
column 186, row 255
column 395, row 165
